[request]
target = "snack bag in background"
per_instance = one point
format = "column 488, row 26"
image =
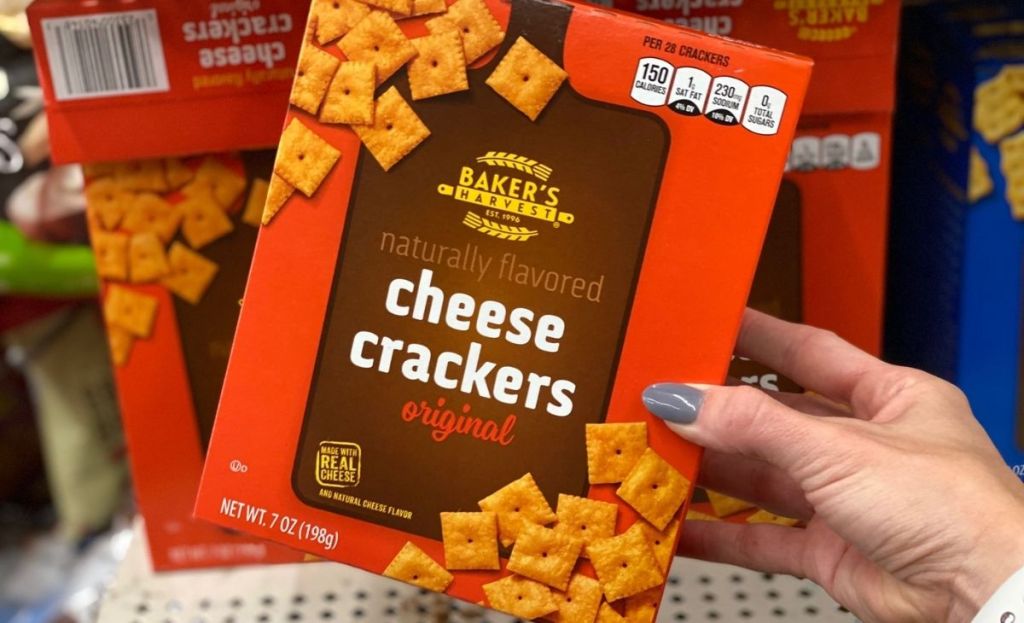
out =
column 64, row 360
column 477, row 230
column 957, row 247
column 42, row 224
column 169, row 131
column 23, row 482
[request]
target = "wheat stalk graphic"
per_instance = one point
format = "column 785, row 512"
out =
column 498, row 230
column 517, row 162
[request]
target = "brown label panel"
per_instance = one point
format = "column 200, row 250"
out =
column 208, row 327
column 358, row 455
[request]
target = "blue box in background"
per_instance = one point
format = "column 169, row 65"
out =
column 957, row 238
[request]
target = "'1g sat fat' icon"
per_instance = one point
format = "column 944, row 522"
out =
column 338, row 464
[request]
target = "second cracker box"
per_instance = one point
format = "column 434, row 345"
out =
column 157, row 99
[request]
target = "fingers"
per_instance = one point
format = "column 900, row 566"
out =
column 754, row 481
column 742, row 421
column 816, row 359
column 809, row 403
column 762, row 547
column 812, row 404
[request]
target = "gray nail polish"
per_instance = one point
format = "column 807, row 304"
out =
column 674, row 402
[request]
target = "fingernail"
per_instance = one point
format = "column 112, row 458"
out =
column 674, row 402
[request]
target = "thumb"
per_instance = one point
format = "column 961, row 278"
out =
column 740, row 420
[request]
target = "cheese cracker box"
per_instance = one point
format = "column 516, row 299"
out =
column 165, row 105
column 492, row 230
column 957, row 234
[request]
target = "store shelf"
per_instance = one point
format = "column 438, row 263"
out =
column 317, row 592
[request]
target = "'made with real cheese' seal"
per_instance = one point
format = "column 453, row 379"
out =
column 487, row 223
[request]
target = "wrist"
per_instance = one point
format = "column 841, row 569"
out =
column 998, row 555
column 1007, row 604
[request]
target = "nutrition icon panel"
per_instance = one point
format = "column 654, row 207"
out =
column 693, row 92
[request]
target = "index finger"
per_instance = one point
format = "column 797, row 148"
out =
column 815, row 359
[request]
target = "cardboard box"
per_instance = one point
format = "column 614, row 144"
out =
column 957, row 240
column 157, row 99
column 375, row 383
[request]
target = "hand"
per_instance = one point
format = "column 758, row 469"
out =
column 910, row 513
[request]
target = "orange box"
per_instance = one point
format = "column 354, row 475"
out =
column 196, row 81
column 418, row 335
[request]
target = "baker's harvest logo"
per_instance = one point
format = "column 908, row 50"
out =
column 826, row 21
column 512, row 190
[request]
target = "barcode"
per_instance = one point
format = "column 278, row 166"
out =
column 105, row 54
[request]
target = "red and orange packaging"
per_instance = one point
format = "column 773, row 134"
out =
column 157, row 99
column 456, row 305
